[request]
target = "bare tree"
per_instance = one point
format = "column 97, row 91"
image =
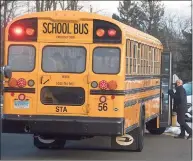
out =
column 8, row 9
column 48, row 5
column 62, row 4
column 38, row 6
column 183, row 25
column 54, row 4
column 7, row 13
column 130, row 13
column 42, row 5
column 73, row 5
column 174, row 38
column 153, row 12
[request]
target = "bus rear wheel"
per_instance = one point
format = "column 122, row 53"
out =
column 41, row 142
column 151, row 126
column 141, row 133
column 157, row 131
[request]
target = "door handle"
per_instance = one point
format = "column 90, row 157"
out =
column 41, row 79
column 162, row 95
column 45, row 80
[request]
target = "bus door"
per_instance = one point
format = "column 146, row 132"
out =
column 63, row 79
column 104, row 73
column 166, row 84
column 20, row 92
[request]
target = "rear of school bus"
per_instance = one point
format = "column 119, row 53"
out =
column 68, row 76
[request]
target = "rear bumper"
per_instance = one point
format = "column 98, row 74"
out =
column 63, row 125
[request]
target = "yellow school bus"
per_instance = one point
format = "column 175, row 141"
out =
column 78, row 75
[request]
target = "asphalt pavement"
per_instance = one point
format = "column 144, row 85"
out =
column 157, row 148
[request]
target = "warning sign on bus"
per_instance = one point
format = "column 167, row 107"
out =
column 50, row 31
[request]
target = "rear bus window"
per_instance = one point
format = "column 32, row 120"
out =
column 64, row 59
column 21, row 58
column 106, row 60
column 62, row 96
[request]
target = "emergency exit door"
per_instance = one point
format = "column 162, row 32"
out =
column 166, row 84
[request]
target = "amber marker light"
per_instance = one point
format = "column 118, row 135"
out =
column 100, row 32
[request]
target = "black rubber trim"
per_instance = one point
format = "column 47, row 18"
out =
column 107, row 92
column 148, row 98
column 65, row 125
column 122, row 92
column 135, row 101
column 19, row 90
column 133, row 91
column 57, row 118
column 132, row 127
column 69, row 96
column 141, row 77
column 130, row 103
column 151, row 117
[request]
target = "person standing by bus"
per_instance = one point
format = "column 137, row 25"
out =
column 180, row 100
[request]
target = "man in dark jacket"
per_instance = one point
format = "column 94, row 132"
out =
column 180, row 100
column 174, row 103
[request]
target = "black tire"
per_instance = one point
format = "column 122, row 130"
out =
column 157, row 131
column 55, row 144
column 141, row 133
column 151, row 126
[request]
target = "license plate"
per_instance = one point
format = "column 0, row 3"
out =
column 21, row 104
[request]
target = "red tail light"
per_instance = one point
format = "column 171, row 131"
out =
column 21, row 82
column 21, row 97
column 23, row 30
column 18, row 31
column 30, row 31
column 112, row 85
column 103, row 85
column 112, row 32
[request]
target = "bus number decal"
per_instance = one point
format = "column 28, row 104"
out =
column 61, row 109
column 102, row 107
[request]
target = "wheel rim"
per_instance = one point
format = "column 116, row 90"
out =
column 45, row 141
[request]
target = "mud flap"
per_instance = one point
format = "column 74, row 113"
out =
column 129, row 141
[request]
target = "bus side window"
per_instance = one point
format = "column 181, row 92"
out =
column 159, row 60
column 127, row 56
column 131, row 58
column 142, row 48
column 145, row 60
column 150, row 59
column 135, row 57
column 155, row 62
column 138, row 59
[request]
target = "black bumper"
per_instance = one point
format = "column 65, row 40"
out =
column 63, row 125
